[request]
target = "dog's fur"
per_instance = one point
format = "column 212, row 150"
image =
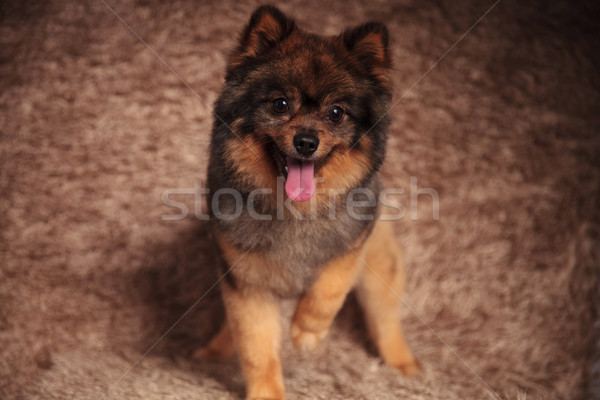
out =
column 300, row 250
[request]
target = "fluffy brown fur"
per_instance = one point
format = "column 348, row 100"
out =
column 284, row 85
column 93, row 129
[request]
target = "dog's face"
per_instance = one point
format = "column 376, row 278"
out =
column 306, row 106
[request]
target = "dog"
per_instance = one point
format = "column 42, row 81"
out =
column 299, row 133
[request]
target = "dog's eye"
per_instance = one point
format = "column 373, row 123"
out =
column 280, row 105
column 336, row 114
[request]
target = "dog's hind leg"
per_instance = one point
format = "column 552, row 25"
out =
column 379, row 292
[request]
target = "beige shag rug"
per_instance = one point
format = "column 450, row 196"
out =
column 94, row 128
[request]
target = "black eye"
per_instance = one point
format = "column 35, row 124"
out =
column 336, row 114
column 280, row 105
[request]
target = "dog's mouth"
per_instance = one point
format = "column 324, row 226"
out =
column 298, row 172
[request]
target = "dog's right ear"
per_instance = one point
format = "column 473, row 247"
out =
column 267, row 27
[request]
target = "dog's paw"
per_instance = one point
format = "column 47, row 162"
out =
column 267, row 388
column 408, row 369
column 213, row 353
column 265, row 398
column 220, row 347
column 305, row 340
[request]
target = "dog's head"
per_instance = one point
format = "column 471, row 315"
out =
column 302, row 106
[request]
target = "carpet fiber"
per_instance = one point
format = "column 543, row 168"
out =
column 95, row 128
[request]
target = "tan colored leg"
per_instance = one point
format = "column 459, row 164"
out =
column 378, row 291
column 318, row 307
column 254, row 320
column 221, row 346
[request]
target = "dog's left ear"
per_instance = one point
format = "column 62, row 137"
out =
column 369, row 44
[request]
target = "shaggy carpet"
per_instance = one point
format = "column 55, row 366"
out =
column 104, row 293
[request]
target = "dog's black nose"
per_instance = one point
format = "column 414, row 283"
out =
column 306, row 144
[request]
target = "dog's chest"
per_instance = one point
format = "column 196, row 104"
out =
column 288, row 254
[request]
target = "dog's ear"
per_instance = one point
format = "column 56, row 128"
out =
column 267, row 27
column 368, row 43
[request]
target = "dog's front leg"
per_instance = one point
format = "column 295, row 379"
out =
column 254, row 320
column 319, row 305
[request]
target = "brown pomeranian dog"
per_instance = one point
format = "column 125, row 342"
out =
column 299, row 136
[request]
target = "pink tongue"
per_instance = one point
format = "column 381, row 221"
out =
column 300, row 183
